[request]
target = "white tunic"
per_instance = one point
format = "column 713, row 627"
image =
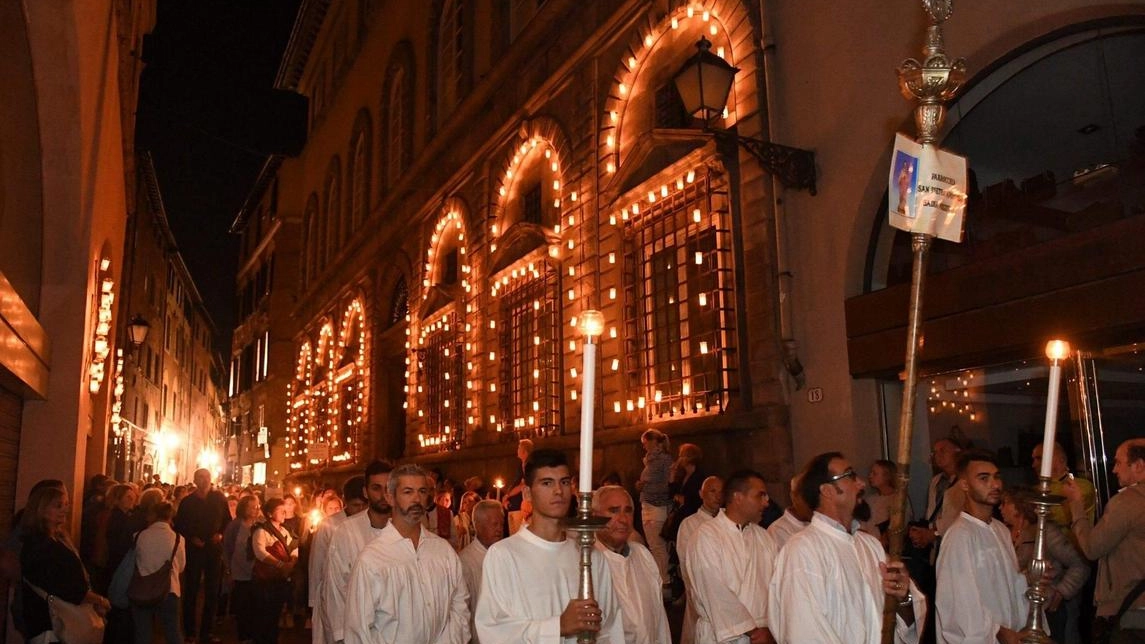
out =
column 527, row 583
column 349, row 540
column 399, row 594
column 636, row 583
column 472, row 558
column 319, row 548
column 827, row 589
column 729, row 569
column 783, row 527
column 684, row 539
column 979, row 586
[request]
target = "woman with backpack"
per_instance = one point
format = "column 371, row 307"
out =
column 275, row 552
column 155, row 546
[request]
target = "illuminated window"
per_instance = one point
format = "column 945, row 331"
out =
column 528, row 332
column 680, row 309
column 450, row 57
column 441, row 378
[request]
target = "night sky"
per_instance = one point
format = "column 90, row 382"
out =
column 210, row 64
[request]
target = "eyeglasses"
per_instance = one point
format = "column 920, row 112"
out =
column 848, row 473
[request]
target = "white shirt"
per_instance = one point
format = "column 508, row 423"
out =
column 153, row 549
column 684, row 539
column 319, row 548
column 526, row 584
column 399, row 594
column 827, row 589
column 784, row 527
column 729, row 569
column 472, row 558
column 636, row 583
column 979, row 586
column 350, row 538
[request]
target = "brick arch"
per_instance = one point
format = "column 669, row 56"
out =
column 657, row 49
column 534, row 133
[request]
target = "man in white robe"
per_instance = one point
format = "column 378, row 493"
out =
column 635, row 576
column 531, row 580
column 981, row 593
column 711, row 497
column 730, row 566
column 794, row 518
column 488, row 529
column 831, row 580
column 348, row 542
column 407, row 586
column 354, row 502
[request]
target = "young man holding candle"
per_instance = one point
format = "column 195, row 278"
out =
column 981, row 594
column 528, row 575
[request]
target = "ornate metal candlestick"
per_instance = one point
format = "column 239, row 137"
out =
column 1034, row 632
column 585, row 526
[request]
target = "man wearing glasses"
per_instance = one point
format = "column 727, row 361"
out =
column 348, row 542
column 831, row 580
column 730, row 564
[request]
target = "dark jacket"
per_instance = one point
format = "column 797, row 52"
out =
column 202, row 518
column 56, row 569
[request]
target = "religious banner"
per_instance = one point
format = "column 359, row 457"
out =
column 927, row 190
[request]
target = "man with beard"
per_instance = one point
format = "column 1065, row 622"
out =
column 348, row 541
column 488, row 529
column 730, row 566
column 711, row 497
column 981, row 595
column 635, row 577
column 354, row 495
column 407, row 584
column 531, row 580
column 831, row 579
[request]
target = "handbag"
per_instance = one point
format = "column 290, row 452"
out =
column 117, row 589
column 72, row 623
column 262, row 570
column 147, row 591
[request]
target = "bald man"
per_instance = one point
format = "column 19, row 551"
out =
column 711, row 496
column 1117, row 542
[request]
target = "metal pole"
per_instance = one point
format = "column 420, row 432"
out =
column 931, row 82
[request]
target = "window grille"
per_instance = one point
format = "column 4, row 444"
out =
column 441, row 383
column 680, row 302
column 670, row 111
column 399, row 304
column 528, row 328
column 531, row 206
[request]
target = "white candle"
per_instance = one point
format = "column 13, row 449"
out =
column 587, row 393
column 1056, row 351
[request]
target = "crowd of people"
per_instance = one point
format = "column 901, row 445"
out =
column 389, row 558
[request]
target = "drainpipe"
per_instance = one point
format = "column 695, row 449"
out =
column 789, row 348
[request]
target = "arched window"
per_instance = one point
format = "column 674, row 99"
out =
column 332, row 201
column 359, row 175
column 450, row 57
column 399, row 302
column 395, row 128
column 310, row 242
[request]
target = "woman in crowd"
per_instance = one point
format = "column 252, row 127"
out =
column 275, row 552
column 463, row 522
column 1069, row 570
column 239, row 557
column 881, row 486
column 50, row 562
column 655, row 496
column 154, row 547
column 515, row 496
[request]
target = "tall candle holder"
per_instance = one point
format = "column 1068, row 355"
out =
column 585, row 525
column 1035, row 632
